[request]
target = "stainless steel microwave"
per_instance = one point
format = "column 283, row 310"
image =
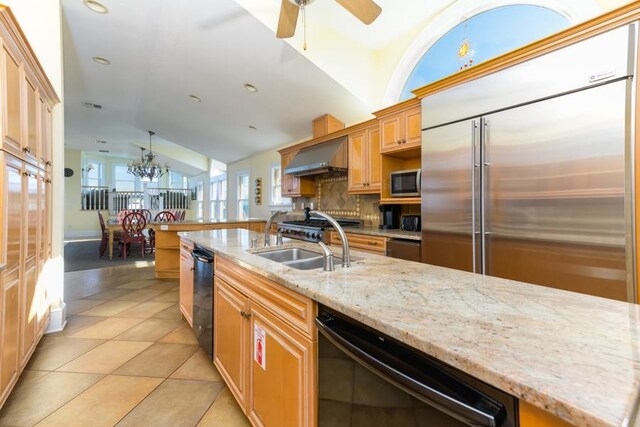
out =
column 405, row 183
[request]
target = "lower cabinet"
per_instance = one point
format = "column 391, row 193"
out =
column 186, row 282
column 266, row 358
column 280, row 364
column 9, row 336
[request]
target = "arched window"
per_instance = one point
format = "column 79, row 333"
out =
column 482, row 37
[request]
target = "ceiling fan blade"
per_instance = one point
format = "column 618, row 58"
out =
column 287, row 20
column 365, row 10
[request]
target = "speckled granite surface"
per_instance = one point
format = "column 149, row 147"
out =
column 573, row 355
column 395, row 234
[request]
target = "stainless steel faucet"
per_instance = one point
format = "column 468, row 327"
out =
column 346, row 259
column 328, row 257
column 267, row 229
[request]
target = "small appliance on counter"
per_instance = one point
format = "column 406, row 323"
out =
column 410, row 222
column 389, row 217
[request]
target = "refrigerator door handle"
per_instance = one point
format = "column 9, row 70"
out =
column 474, row 170
column 484, row 189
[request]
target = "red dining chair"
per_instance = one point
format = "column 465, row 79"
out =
column 162, row 216
column 132, row 226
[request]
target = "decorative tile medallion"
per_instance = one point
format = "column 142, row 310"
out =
column 333, row 198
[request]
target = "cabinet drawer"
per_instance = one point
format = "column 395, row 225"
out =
column 186, row 246
column 293, row 308
column 374, row 244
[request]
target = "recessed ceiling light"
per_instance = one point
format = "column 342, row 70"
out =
column 103, row 151
column 252, row 127
column 99, row 141
column 102, row 61
column 195, row 98
column 96, row 6
column 250, row 87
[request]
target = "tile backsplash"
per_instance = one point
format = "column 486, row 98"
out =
column 332, row 197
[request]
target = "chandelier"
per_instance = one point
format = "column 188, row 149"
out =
column 147, row 168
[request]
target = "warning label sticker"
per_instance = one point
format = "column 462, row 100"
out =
column 260, row 346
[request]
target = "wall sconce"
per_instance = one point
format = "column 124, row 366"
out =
column 257, row 191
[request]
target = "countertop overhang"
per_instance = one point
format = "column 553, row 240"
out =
column 573, row 355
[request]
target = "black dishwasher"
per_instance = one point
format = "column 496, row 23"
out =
column 368, row 379
column 203, row 298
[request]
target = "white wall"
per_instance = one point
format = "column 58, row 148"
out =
column 259, row 166
column 41, row 22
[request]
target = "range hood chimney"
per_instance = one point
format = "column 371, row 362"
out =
column 328, row 156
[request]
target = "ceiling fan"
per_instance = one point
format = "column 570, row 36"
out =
column 365, row 10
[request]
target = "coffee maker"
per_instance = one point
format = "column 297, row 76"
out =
column 389, row 217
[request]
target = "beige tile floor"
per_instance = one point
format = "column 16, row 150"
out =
column 126, row 358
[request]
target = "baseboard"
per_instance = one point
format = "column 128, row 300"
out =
column 80, row 233
column 57, row 319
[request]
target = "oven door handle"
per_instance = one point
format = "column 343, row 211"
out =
column 478, row 410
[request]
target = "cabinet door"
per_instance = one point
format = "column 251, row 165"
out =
column 230, row 338
column 13, row 241
column 281, row 391
column 412, row 128
column 391, row 133
column 374, row 158
column 290, row 183
column 358, row 161
column 9, row 329
column 30, row 143
column 46, row 136
column 12, row 117
column 29, row 314
column 186, row 286
column 32, row 214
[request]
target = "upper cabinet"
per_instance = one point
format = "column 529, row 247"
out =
column 27, row 97
column 294, row 186
column 364, row 160
column 400, row 127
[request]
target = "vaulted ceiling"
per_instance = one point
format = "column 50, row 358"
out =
column 161, row 52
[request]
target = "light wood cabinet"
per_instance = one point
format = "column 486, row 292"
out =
column 531, row 416
column 401, row 130
column 295, row 186
column 186, row 281
column 364, row 161
column 230, row 337
column 265, row 347
column 26, row 102
column 10, row 329
column 257, row 227
column 363, row 242
column 167, row 259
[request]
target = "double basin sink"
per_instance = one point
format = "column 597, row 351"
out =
column 301, row 259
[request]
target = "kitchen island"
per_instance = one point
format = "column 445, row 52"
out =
column 167, row 247
column 573, row 356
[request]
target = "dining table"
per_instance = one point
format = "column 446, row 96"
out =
column 112, row 227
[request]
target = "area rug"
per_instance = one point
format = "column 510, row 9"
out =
column 84, row 255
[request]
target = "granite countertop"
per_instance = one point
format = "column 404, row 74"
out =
column 211, row 222
column 394, row 233
column 573, row 355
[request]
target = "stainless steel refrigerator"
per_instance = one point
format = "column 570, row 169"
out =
column 527, row 173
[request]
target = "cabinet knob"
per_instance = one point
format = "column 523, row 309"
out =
column 404, row 141
column 48, row 163
column 373, row 243
column 26, row 150
column 245, row 314
column 192, row 268
column 399, row 142
column 48, row 180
